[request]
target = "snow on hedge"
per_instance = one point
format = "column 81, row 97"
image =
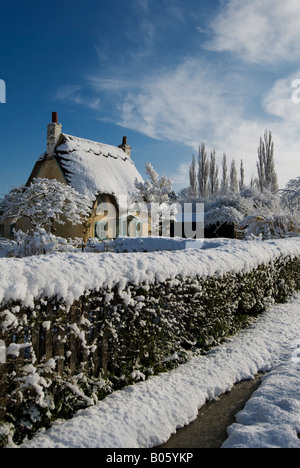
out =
column 141, row 244
column 68, row 276
column 146, row 414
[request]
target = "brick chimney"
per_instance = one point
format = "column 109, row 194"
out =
column 53, row 134
column 126, row 148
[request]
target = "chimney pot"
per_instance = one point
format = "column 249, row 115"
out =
column 125, row 147
column 53, row 134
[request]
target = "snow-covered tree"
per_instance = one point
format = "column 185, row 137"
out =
column 267, row 176
column 203, row 171
column 234, row 184
column 225, row 180
column 158, row 195
column 156, row 189
column 252, row 213
column 213, row 174
column 291, row 194
column 193, row 178
column 268, row 224
column 260, row 165
column 242, row 174
column 45, row 202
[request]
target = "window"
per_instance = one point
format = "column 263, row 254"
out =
column 101, row 229
column 11, row 230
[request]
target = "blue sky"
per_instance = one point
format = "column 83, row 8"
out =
column 167, row 74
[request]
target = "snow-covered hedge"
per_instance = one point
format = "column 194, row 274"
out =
column 78, row 326
column 269, row 225
column 252, row 213
column 139, row 244
column 38, row 242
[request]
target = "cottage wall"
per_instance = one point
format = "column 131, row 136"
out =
column 49, row 169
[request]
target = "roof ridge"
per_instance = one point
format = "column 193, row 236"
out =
column 107, row 151
column 92, row 141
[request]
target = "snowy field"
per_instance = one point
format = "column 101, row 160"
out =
column 146, row 414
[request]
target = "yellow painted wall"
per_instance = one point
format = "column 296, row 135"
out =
column 49, row 170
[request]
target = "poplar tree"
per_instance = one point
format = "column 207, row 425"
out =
column 193, row 178
column 267, row 177
column 203, row 172
column 225, row 180
column 242, row 174
column 213, row 174
column 234, row 184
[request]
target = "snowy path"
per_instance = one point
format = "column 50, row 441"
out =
column 209, row 430
column 146, row 414
column 271, row 418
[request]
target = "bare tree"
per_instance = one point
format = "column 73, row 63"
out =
column 193, row 178
column 234, row 184
column 225, row 180
column 267, row 176
column 203, row 172
column 242, row 174
column 213, row 174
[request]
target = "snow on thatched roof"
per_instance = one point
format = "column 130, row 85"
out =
column 93, row 168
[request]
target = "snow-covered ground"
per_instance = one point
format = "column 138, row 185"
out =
column 5, row 247
column 146, row 414
column 271, row 418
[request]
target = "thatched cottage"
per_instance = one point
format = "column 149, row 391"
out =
column 106, row 174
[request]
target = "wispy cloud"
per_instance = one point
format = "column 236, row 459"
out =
column 182, row 104
column 279, row 100
column 258, row 31
column 75, row 94
column 285, row 116
column 194, row 97
column 113, row 85
column 189, row 104
column 180, row 175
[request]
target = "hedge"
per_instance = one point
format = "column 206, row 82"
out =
column 61, row 360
